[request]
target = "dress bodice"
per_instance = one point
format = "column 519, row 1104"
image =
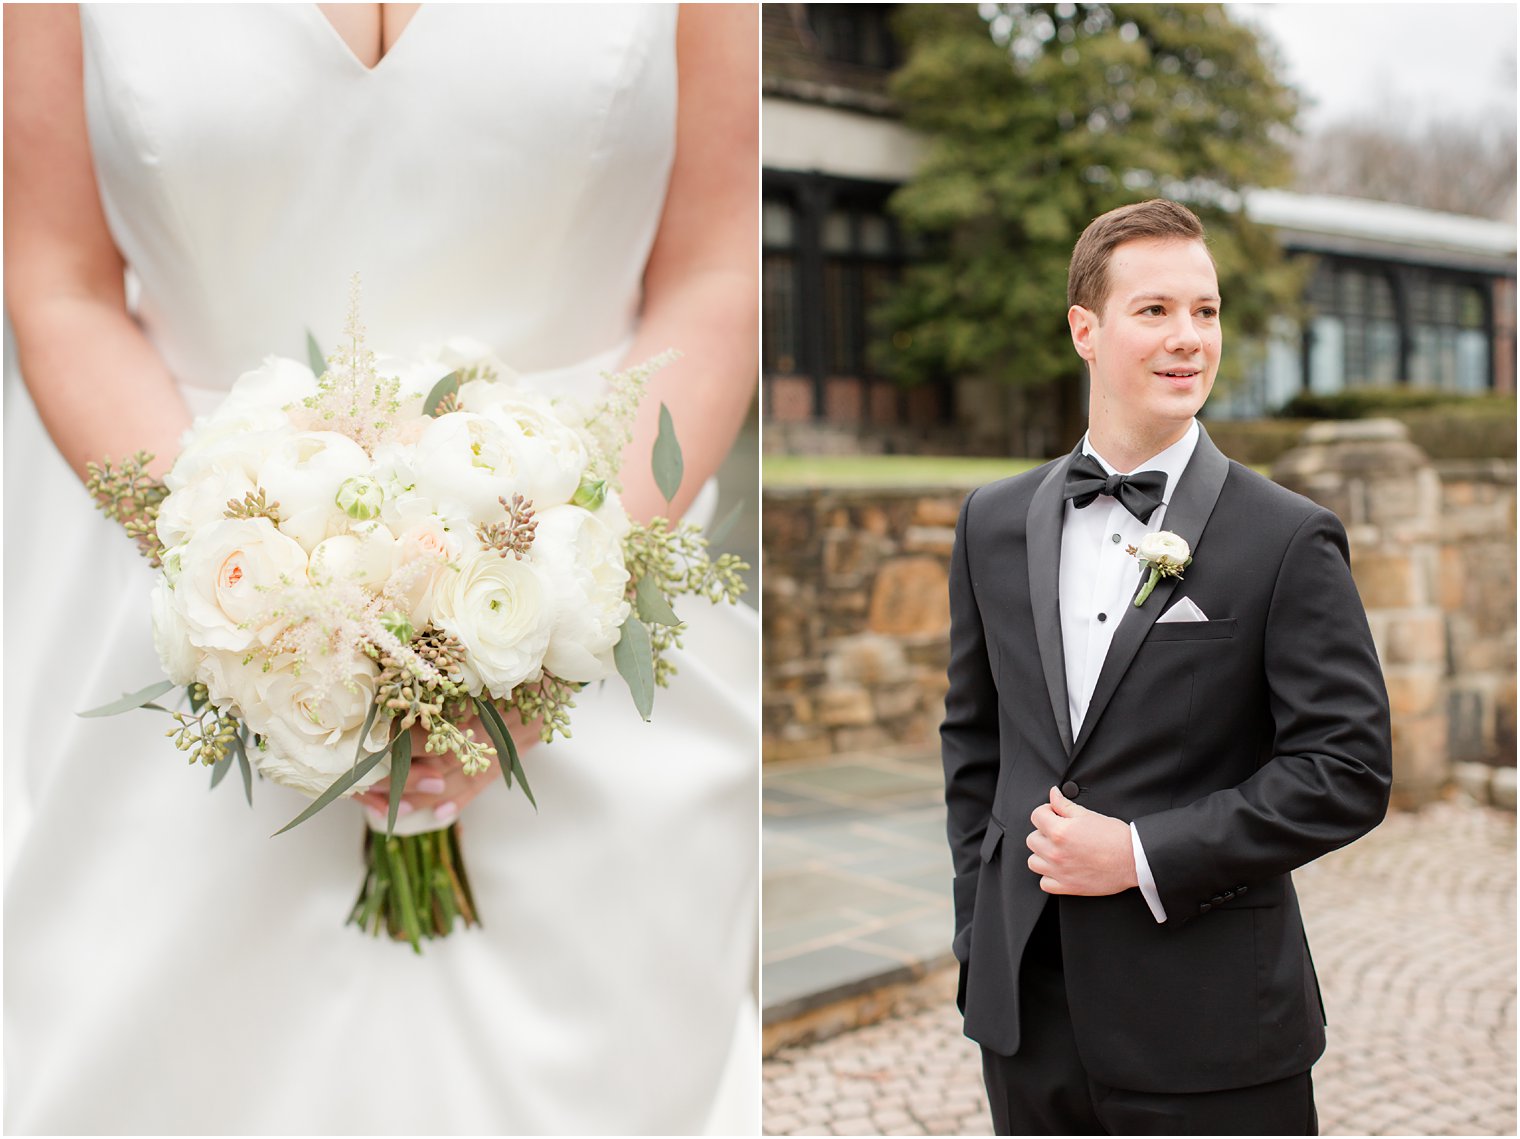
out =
column 498, row 175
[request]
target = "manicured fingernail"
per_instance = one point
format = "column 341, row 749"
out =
column 445, row 812
column 405, row 808
column 432, row 785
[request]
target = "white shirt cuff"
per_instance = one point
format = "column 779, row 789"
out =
column 1143, row 874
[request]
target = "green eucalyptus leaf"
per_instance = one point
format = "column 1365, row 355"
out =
column 339, row 786
column 245, row 769
column 314, row 356
column 401, row 766
column 501, row 739
column 369, row 722
column 634, row 657
column 220, row 768
column 716, row 535
column 667, row 461
column 442, row 389
column 132, row 700
column 522, row 777
column 650, row 603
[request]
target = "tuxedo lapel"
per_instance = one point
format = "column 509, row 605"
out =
column 1047, row 513
column 1187, row 513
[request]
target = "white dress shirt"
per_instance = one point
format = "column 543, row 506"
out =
column 1098, row 580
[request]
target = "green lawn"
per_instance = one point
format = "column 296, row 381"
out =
column 886, row 470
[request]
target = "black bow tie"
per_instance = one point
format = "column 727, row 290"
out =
column 1139, row 493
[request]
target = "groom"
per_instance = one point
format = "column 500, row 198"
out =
column 1130, row 785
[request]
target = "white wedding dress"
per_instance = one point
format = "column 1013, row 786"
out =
column 170, row 967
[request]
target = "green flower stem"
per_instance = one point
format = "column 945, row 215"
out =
column 1150, row 584
column 414, row 887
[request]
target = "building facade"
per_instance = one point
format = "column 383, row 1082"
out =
column 1397, row 296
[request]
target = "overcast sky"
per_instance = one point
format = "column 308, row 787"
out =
column 1397, row 59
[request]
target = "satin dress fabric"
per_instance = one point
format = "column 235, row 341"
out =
column 169, row 966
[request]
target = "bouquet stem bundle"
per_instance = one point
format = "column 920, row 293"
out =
column 415, row 886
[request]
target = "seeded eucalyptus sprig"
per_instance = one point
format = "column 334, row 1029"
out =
column 424, row 695
column 548, row 701
column 205, row 733
column 253, row 505
column 130, row 495
column 515, row 535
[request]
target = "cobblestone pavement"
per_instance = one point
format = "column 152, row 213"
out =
column 1413, row 931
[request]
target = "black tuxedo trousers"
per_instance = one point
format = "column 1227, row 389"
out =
column 1241, row 747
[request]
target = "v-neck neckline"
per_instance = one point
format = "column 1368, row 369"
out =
column 343, row 45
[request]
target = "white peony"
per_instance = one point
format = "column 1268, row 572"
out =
column 225, row 573
column 465, row 464
column 200, row 502
column 582, row 562
column 551, row 457
column 365, row 556
column 278, row 383
column 312, row 729
column 304, row 475
column 497, row 608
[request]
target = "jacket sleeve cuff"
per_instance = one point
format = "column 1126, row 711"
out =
column 1147, row 881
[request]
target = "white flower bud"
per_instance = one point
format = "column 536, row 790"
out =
column 360, row 497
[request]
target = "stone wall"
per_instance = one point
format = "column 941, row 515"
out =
column 857, row 618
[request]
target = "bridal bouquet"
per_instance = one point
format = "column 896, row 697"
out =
column 365, row 548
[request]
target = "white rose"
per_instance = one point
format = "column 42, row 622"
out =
column 313, row 728
column 551, row 456
column 582, row 562
column 225, row 573
column 171, row 636
column 465, row 464
column 497, row 608
column 303, row 475
column 1163, row 545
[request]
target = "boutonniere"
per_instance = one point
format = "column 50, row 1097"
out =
column 1164, row 554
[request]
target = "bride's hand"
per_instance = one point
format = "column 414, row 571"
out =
column 439, row 781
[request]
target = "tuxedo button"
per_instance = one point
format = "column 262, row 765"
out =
column 1070, row 789
column 1102, row 616
column 1114, row 538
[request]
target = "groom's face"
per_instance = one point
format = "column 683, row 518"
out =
column 1153, row 353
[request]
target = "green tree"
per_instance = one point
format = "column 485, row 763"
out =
column 1040, row 117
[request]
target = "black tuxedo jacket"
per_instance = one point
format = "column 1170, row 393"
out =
column 1241, row 747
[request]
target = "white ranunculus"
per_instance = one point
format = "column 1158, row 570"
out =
column 497, row 608
column 583, row 569
column 171, row 636
column 465, row 464
column 1163, row 545
column 225, row 573
column 551, row 456
column 303, row 475
column 313, row 727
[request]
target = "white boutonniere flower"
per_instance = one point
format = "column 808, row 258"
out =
column 1164, row 554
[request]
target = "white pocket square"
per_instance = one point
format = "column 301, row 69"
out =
column 1184, row 610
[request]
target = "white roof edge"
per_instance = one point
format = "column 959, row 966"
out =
column 1386, row 222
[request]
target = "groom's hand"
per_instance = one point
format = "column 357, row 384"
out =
column 1077, row 851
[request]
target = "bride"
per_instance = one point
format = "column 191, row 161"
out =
column 574, row 186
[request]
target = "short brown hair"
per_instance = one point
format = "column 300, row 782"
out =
column 1087, row 277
